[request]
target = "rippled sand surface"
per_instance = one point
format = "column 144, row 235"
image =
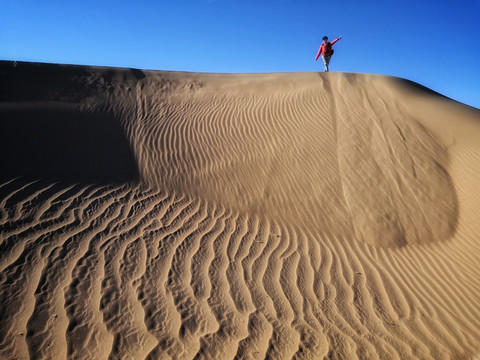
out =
column 160, row 215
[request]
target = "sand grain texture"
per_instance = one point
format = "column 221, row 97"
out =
column 159, row 215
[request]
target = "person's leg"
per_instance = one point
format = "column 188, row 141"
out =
column 327, row 61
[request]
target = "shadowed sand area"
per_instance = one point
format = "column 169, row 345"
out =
column 58, row 142
column 152, row 214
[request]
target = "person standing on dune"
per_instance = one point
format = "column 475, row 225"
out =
column 326, row 51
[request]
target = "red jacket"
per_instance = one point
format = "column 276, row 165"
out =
column 326, row 49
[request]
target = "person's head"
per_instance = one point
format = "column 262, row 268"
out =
column 325, row 39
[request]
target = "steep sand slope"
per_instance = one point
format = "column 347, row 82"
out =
column 149, row 214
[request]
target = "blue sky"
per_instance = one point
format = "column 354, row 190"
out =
column 435, row 43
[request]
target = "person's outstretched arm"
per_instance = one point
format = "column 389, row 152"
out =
column 319, row 51
column 334, row 41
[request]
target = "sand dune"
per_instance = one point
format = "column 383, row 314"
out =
column 150, row 214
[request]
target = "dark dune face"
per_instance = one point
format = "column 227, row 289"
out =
column 43, row 82
column 45, row 134
column 63, row 144
column 21, row 81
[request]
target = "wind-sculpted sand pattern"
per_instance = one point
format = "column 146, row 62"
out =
column 299, row 149
column 239, row 216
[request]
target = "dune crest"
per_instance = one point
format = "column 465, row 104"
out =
column 150, row 214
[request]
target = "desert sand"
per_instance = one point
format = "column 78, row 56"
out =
column 172, row 215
